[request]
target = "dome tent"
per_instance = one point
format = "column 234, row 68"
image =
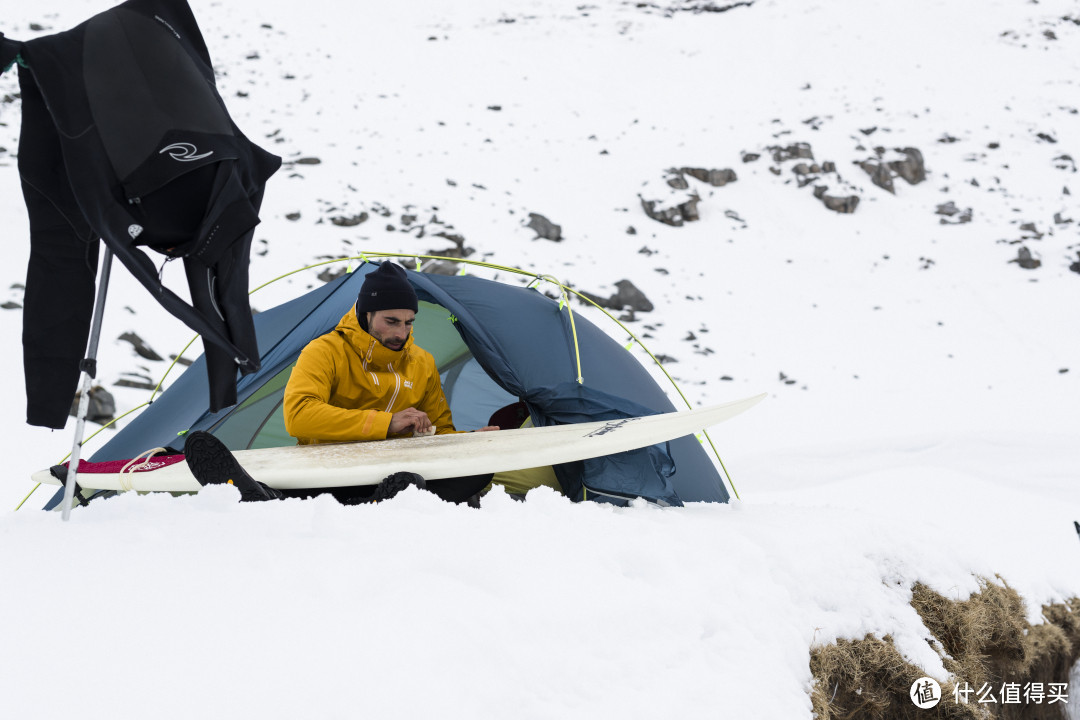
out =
column 495, row 344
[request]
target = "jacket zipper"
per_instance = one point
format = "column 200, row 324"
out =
column 397, row 387
column 365, row 359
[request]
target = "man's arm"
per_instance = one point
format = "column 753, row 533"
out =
column 308, row 412
column 434, row 404
column 437, row 408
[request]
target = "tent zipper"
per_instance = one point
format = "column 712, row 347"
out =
column 588, row 490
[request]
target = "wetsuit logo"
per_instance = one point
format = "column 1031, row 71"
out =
column 184, row 152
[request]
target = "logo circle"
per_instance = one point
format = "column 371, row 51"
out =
column 925, row 693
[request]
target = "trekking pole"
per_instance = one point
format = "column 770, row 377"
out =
column 89, row 372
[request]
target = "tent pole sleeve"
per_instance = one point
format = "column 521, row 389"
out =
column 89, row 371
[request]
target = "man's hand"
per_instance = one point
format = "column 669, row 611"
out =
column 487, row 428
column 409, row 419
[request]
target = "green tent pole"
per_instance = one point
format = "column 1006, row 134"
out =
column 89, row 372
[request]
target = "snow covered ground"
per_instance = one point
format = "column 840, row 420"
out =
column 922, row 423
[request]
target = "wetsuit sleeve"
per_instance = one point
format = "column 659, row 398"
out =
column 310, row 417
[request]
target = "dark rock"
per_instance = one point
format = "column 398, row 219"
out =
column 879, row 173
column 138, row 382
column 949, row 210
column 332, row 273
column 544, row 228
column 1025, row 260
column 794, row 151
column 452, row 252
column 350, row 221
column 1046, row 137
column 911, row 168
column 712, row 7
column 440, row 267
column 963, row 217
column 828, row 166
column 1060, row 220
column 433, row 267
column 141, row 348
column 459, row 243
column 101, row 407
column 1033, row 231
column 844, row 205
column 294, row 216
column 689, row 209
column 716, row 178
column 1065, row 162
column 181, row 360
column 676, row 180
column 9, row 305
column 631, row 230
column 1075, row 267
column 626, row 297
column 673, row 215
column 307, row 161
column 750, row 157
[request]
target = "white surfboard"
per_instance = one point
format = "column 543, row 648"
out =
column 434, row 457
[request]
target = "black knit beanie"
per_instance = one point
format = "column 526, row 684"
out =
column 387, row 288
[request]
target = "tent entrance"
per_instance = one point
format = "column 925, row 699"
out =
column 259, row 421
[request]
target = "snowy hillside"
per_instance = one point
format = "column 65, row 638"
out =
column 921, row 355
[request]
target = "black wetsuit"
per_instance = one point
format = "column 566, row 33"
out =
column 125, row 138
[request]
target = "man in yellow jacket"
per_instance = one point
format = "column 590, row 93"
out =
column 366, row 379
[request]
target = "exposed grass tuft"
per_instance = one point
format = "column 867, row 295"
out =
column 985, row 639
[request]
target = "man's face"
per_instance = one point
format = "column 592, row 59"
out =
column 391, row 327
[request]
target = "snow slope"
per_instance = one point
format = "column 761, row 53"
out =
column 921, row 423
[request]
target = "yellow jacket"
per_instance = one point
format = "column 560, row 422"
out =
column 346, row 386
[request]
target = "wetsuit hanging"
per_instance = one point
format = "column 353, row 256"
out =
column 125, row 137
